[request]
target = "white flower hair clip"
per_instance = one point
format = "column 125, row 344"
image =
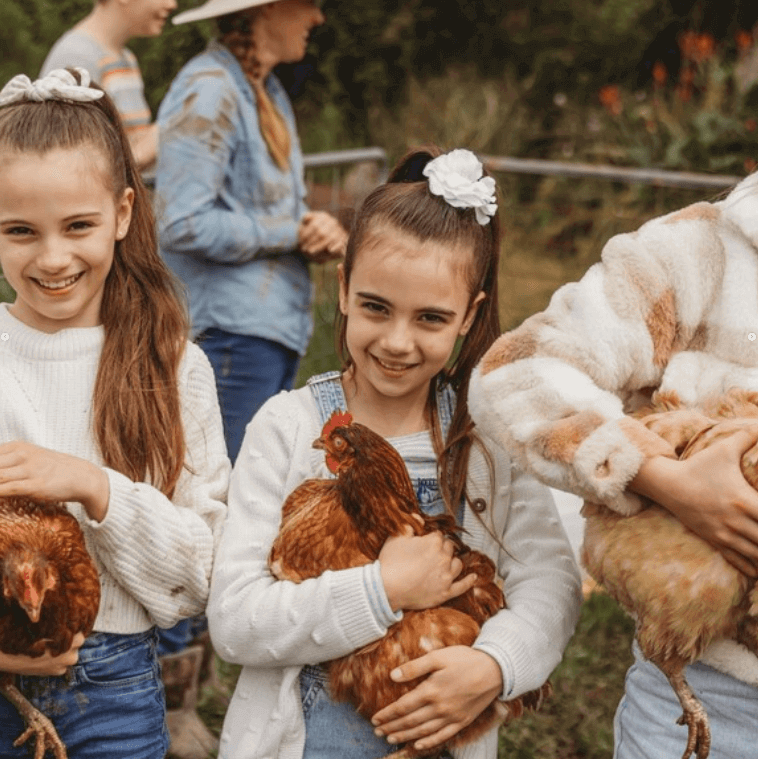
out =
column 458, row 178
column 59, row 84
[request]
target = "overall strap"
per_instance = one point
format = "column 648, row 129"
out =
column 446, row 398
column 327, row 392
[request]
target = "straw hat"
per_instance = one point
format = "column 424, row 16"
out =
column 213, row 8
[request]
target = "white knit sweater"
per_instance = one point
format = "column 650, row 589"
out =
column 672, row 306
column 154, row 556
column 273, row 628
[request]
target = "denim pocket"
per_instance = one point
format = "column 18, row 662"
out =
column 131, row 668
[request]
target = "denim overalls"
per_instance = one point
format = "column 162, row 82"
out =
column 335, row 729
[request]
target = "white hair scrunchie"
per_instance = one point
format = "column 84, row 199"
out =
column 458, row 178
column 59, row 84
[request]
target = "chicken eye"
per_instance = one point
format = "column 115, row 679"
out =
column 339, row 443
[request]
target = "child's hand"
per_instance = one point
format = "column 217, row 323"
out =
column 462, row 682
column 36, row 472
column 321, row 237
column 709, row 494
column 420, row 572
column 45, row 665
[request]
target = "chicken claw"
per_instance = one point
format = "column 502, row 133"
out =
column 694, row 716
column 37, row 724
column 699, row 739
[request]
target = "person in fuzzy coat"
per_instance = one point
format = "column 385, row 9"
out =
column 672, row 306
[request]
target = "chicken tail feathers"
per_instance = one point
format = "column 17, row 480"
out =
column 528, row 702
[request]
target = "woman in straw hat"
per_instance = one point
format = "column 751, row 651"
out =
column 232, row 218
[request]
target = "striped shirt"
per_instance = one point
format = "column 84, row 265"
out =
column 118, row 73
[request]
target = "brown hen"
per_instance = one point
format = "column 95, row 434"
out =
column 681, row 591
column 332, row 524
column 51, row 592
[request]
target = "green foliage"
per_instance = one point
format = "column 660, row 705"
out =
column 6, row 291
column 577, row 722
column 700, row 122
column 29, row 27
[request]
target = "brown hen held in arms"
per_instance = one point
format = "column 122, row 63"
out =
column 341, row 523
column 51, row 592
column 681, row 591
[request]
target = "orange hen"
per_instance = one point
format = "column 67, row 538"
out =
column 51, row 592
column 332, row 524
column 681, row 591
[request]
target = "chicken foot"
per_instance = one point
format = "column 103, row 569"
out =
column 37, row 724
column 694, row 715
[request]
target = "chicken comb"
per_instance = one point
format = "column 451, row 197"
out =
column 337, row 419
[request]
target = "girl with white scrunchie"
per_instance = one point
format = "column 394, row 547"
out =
column 420, row 274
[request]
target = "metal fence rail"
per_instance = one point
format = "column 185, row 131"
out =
column 344, row 157
column 657, row 177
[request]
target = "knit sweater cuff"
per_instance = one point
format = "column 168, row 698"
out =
column 505, row 644
column 377, row 596
column 359, row 605
column 115, row 517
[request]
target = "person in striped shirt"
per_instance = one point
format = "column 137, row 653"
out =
column 98, row 44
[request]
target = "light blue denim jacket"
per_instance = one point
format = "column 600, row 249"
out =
column 227, row 215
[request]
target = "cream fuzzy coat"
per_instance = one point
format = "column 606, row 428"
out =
column 672, row 306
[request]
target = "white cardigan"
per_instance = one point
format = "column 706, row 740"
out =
column 273, row 628
column 154, row 556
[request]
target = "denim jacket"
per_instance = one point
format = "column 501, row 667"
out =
column 227, row 215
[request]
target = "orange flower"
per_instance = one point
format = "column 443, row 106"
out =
column 610, row 97
column 705, row 47
column 687, row 44
column 660, row 74
column 696, row 47
column 750, row 125
column 744, row 40
column 684, row 92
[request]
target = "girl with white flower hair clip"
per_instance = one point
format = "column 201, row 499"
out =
column 104, row 406
column 418, row 307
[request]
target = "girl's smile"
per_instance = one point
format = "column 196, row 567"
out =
column 59, row 224
column 406, row 305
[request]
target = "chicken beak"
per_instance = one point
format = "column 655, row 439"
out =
column 319, row 443
column 33, row 615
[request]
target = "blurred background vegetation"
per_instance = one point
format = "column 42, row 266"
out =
column 641, row 82
column 648, row 83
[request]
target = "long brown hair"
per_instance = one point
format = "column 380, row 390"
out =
column 236, row 34
column 136, row 409
column 406, row 204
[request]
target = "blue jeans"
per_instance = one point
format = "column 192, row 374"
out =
column 249, row 370
column 111, row 704
column 645, row 725
column 171, row 640
column 335, row 729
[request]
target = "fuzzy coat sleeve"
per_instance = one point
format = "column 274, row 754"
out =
column 555, row 390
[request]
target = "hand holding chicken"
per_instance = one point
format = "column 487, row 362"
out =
column 366, row 513
column 50, row 597
column 681, row 590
